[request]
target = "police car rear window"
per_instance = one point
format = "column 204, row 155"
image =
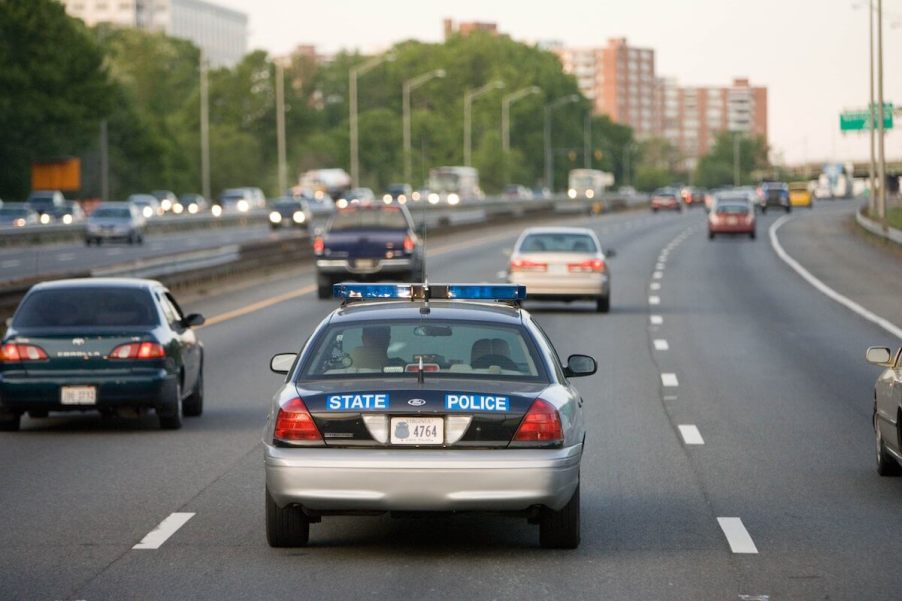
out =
column 87, row 307
column 551, row 242
column 389, row 218
column 447, row 349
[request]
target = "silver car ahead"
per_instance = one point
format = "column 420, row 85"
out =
column 409, row 407
column 888, row 409
column 562, row 263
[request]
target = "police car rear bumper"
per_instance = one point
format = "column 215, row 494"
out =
column 342, row 266
column 337, row 480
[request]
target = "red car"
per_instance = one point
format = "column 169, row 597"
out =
column 665, row 199
column 731, row 215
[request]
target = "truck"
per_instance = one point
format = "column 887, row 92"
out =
column 314, row 183
column 588, row 183
column 453, row 185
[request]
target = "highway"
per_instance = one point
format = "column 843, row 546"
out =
column 729, row 455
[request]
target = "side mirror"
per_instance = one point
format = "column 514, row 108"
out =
column 579, row 366
column 610, row 253
column 879, row 355
column 193, row 320
column 281, row 363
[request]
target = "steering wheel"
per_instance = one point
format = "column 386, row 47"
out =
column 501, row 361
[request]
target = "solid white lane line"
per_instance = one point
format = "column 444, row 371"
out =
column 661, row 345
column 690, row 434
column 654, row 300
column 669, row 380
column 658, row 275
column 738, row 537
column 159, row 535
column 823, row 288
column 10, row 263
column 656, row 320
column 655, row 286
column 65, row 257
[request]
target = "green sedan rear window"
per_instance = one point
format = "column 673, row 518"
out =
column 87, row 307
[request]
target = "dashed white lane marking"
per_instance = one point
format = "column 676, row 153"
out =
column 655, row 286
column 823, row 288
column 156, row 246
column 654, row 300
column 669, row 380
column 657, row 275
column 113, row 252
column 656, row 320
column 661, row 345
column 670, row 397
column 159, row 535
column 10, row 263
column 659, row 266
column 690, row 434
column 738, row 537
column 65, row 257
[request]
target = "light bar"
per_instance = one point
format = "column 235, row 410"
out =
column 487, row 292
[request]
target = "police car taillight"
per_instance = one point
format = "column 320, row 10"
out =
column 542, row 423
column 295, row 424
column 319, row 246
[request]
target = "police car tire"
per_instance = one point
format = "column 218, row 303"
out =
column 560, row 529
column 285, row 526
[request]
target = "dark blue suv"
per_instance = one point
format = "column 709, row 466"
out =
column 367, row 242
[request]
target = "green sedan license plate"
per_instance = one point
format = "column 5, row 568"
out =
column 78, row 395
column 417, row 430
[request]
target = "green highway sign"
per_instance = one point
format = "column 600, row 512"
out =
column 858, row 120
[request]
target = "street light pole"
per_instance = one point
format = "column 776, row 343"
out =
column 506, row 103
column 104, row 162
column 469, row 97
column 280, row 126
column 549, row 159
column 587, row 141
column 872, row 199
column 204, row 127
column 406, row 89
column 881, row 150
column 353, row 74
column 736, row 152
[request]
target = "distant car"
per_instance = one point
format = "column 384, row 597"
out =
column 288, row 212
column 115, row 221
column 398, row 193
column 117, row 346
column 516, row 192
column 241, row 200
column 167, row 199
column 417, row 400
column 665, row 199
column 800, row 195
column 367, row 242
column 71, row 213
column 355, row 196
column 48, row 204
column 17, row 214
column 194, row 203
column 562, row 263
column 147, row 204
column 887, row 409
column 732, row 213
column 774, row 194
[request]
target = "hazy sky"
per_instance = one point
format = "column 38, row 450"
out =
column 811, row 54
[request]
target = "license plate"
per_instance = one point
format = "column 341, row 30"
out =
column 417, row 430
column 366, row 263
column 78, row 395
column 732, row 221
column 558, row 269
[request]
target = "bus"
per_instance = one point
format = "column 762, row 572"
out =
column 588, row 183
column 454, row 184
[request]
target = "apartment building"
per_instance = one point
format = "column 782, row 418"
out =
column 221, row 32
column 467, row 27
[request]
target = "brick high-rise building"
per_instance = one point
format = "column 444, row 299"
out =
column 468, row 27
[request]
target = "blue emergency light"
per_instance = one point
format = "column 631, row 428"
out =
column 485, row 292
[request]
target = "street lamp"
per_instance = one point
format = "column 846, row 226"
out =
column 469, row 97
column 549, row 159
column 506, row 113
column 627, row 154
column 280, row 124
column 354, row 73
column 406, row 89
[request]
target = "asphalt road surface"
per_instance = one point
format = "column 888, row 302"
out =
column 26, row 262
column 712, row 342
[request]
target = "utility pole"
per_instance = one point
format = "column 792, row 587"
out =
column 549, row 159
column 280, row 126
column 406, row 89
column 353, row 74
column 737, row 150
column 872, row 198
column 587, row 141
column 204, row 128
column 104, row 163
column 506, row 103
column 881, row 150
column 469, row 97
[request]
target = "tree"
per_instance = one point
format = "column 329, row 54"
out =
column 717, row 168
column 55, row 89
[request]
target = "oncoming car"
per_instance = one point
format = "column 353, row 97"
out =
column 414, row 399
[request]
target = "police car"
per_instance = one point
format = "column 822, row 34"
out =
column 413, row 398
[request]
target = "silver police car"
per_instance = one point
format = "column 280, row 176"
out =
column 416, row 398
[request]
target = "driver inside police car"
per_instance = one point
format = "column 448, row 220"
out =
column 373, row 352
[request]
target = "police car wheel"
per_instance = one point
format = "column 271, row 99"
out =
column 560, row 529
column 285, row 526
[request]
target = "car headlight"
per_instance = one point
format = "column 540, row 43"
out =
column 341, row 203
column 275, row 217
column 20, row 222
column 177, row 208
column 571, row 193
column 434, row 198
column 67, row 219
column 192, row 208
column 299, row 217
column 386, row 198
column 415, row 196
column 243, row 206
column 216, row 210
column 166, row 204
column 402, row 199
column 590, row 193
column 45, row 218
column 147, row 212
column 453, row 199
